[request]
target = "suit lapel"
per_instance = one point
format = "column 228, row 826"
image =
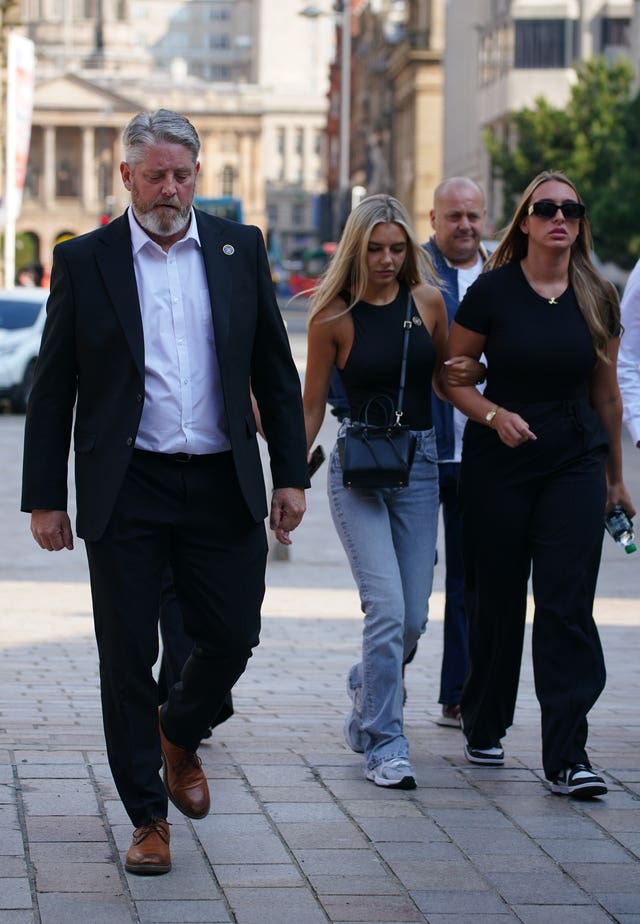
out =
column 115, row 263
column 218, row 267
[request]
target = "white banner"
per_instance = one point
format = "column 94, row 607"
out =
column 20, row 90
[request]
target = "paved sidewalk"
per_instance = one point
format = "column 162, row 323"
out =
column 296, row 835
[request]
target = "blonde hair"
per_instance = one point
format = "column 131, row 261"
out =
column 347, row 270
column 597, row 298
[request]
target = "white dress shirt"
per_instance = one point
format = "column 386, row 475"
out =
column 629, row 354
column 183, row 405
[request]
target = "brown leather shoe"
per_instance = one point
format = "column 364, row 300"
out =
column 184, row 779
column 149, row 854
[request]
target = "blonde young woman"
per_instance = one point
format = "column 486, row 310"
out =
column 541, row 464
column 356, row 324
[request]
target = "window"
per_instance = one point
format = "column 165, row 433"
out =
column 66, row 179
column 542, row 43
column 176, row 41
column 297, row 214
column 217, row 72
column 615, row 32
column 219, row 40
column 228, row 177
column 68, row 158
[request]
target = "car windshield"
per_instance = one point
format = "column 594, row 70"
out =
column 17, row 315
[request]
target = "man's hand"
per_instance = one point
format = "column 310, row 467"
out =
column 463, row 370
column 287, row 509
column 52, row 529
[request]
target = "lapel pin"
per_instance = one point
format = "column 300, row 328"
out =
column 228, row 249
column 416, row 320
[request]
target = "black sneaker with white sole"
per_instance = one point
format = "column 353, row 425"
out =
column 579, row 781
column 489, row 757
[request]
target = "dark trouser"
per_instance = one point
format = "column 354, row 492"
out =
column 176, row 648
column 192, row 517
column 521, row 510
column 455, row 656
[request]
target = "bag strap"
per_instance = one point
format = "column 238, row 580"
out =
column 407, row 324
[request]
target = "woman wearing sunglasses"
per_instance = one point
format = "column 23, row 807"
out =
column 541, row 463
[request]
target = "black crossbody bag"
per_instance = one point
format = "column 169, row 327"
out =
column 380, row 456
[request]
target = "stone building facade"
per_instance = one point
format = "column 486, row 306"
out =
column 252, row 79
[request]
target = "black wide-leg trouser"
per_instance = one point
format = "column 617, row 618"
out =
column 189, row 515
column 537, row 509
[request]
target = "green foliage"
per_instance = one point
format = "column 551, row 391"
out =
column 595, row 140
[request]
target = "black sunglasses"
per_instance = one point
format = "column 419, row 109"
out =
column 547, row 208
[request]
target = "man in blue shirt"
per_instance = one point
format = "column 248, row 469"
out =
column 457, row 218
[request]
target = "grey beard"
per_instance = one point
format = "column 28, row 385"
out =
column 152, row 222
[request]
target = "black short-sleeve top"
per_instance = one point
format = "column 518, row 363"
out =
column 536, row 350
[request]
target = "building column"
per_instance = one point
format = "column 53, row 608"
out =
column 207, row 180
column 309, row 179
column 49, row 166
column 88, row 191
column 252, row 180
column 291, row 155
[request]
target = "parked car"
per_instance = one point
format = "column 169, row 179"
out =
column 22, row 315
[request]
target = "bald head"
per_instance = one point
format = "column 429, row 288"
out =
column 457, row 218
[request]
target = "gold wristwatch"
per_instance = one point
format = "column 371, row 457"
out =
column 491, row 414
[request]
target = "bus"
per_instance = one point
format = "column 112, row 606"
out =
column 310, row 265
column 223, row 206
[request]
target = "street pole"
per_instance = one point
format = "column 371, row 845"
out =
column 341, row 204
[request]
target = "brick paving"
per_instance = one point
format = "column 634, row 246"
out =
column 296, row 834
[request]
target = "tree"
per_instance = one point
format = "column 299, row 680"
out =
column 595, row 140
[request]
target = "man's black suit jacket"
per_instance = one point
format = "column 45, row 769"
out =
column 92, row 357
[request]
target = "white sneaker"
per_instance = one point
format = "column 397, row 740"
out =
column 352, row 732
column 449, row 717
column 395, row 773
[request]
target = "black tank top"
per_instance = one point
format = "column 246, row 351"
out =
column 373, row 365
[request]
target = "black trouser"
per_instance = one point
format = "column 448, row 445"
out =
column 192, row 517
column 538, row 507
column 176, row 648
column 455, row 656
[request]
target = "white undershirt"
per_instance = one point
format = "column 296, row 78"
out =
column 466, row 276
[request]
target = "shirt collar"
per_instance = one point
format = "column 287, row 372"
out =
column 140, row 238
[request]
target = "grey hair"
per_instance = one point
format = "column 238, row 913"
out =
column 162, row 125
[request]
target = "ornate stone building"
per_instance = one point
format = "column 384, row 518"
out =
column 252, row 78
column 73, row 176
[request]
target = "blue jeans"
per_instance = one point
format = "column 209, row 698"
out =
column 389, row 535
